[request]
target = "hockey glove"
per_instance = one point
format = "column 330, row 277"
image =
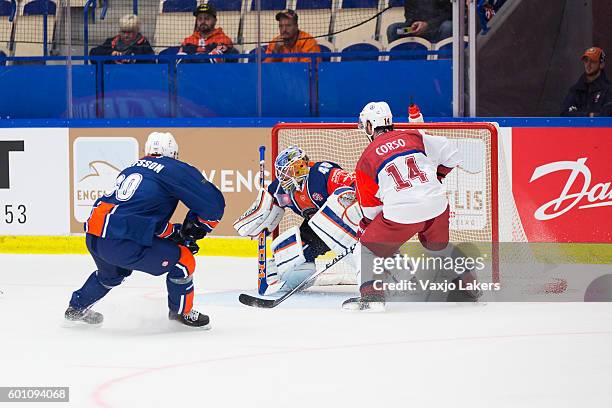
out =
column 178, row 238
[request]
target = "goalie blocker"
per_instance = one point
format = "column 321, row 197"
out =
column 334, row 226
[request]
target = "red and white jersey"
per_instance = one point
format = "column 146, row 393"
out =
column 400, row 174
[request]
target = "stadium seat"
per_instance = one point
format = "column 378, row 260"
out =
column 167, row 51
column 29, row 28
column 6, row 26
column 174, row 23
column 361, row 47
column 269, row 26
column 420, row 45
column 395, row 14
column 39, row 7
column 6, row 8
column 179, row 6
column 326, row 46
column 445, row 48
column 314, row 17
column 351, row 14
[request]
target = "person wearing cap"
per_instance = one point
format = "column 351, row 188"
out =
column 129, row 41
column 592, row 94
column 206, row 38
column 291, row 40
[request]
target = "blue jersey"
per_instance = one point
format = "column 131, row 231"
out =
column 145, row 197
column 323, row 178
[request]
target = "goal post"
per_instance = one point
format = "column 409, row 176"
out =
column 475, row 190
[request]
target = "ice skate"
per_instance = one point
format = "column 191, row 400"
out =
column 192, row 319
column 372, row 303
column 86, row 316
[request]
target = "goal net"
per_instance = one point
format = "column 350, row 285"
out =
column 479, row 191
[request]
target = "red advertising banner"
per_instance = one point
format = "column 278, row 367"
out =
column 562, row 183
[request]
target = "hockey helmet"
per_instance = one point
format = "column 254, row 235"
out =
column 378, row 114
column 161, row 144
column 292, row 167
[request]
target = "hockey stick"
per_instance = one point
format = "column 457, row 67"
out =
column 262, row 282
column 270, row 303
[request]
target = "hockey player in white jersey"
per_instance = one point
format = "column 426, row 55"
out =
column 323, row 194
column 400, row 191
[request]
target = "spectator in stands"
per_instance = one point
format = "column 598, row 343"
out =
column 430, row 19
column 129, row 41
column 486, row 9
column 592, row 94
column 206, row 39
column 291, row 40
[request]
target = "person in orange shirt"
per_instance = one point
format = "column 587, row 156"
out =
column 291, row 39
column 206, row 39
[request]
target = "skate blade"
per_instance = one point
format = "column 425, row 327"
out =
column 206, row 327
column 72, row 324
column 372, row 307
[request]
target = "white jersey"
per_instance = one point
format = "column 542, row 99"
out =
column 400, row 174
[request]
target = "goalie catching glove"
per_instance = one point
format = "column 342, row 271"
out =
column 264, row 214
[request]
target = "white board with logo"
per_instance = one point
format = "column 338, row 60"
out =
column 34, row 188
column 97, row 163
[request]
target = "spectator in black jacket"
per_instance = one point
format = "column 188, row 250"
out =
column 592, row 94
column 129, row 41
column 430, row 19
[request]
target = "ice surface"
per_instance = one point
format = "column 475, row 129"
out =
column 305, row 353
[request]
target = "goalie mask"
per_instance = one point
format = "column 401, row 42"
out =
column 378, row 115
column 291, row 167
column 161, row 144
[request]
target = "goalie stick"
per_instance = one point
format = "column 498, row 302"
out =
column 270, row 302
column 262, row 282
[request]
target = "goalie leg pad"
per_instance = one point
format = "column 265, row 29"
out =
column 292, row 278
column 263, row 214
column 336, row 223
column 288, row 251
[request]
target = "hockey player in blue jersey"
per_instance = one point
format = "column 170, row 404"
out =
column 322, row 193
column 129, row 229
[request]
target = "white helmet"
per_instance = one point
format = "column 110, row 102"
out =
column 378, row 114
column 161, row 144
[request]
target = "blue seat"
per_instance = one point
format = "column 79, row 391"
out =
column 313, row 4
column 420, row 50
column 263, row 49
column 348, row 4
column 254, row 51
column 179, row 6
column 228, row 5
column 40, row 7
column 361, row 47
column 270, row 5
column 6, row 9
column 444, row 48
column 169, row 52
column 446, row 51
column 325, row 48
column 396, row 3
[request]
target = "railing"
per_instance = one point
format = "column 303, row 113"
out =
column 13, row 10
column 302, row 87
column 91, row 4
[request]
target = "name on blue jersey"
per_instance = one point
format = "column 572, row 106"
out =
column 148, row 164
